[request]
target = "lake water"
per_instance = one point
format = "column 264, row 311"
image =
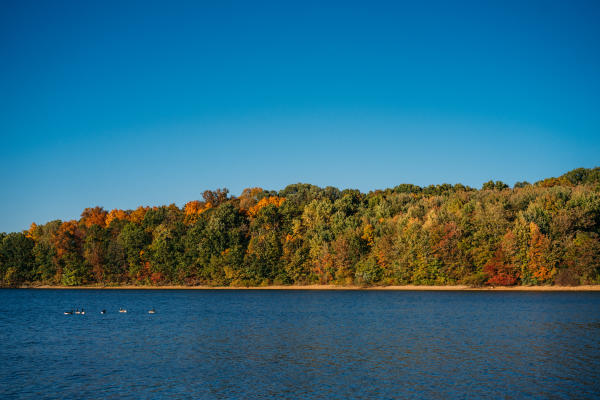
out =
column 299, row 344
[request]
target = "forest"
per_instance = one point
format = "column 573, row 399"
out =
column 544, row 233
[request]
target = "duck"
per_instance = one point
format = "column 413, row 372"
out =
column 103, row 312
column 122, row 310
column 152, row 311
column 82, row 312
column 69, row 312
column 77, row 311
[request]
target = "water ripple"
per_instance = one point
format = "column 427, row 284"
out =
column 299, row 344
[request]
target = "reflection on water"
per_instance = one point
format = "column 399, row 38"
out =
column 299, row 344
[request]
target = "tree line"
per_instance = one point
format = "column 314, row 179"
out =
column 532, row 234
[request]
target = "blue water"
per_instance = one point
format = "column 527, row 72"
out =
column 299, row 344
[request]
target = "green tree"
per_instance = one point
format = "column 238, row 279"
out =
column 134, row 239
column 16, row 259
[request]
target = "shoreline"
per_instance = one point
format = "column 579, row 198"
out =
column 582, row 288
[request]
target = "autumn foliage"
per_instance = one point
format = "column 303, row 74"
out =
column 538, row 260
column 533, row 234
column 499, row 271
column 265, row 201
column 94, row 216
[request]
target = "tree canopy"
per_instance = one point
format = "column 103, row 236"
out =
column 532, row 234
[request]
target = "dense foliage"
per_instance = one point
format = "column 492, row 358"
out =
column 533, row 234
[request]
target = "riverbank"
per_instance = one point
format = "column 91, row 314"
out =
column 582, row 288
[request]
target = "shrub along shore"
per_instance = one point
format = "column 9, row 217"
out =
column 540, row 236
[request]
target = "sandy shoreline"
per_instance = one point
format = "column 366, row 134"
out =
column 581, row 288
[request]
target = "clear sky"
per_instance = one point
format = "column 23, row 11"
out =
column 127, row 103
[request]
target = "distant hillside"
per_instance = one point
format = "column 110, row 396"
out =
column 533, row 234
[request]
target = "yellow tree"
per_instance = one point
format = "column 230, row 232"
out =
column 67, row 241
column 539, row 247
column 137, row 215
column 114, row 215
column 94, row 216
column 192, row 211
column 249, row 198
column 265, row 201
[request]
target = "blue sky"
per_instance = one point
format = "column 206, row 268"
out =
column 121, row 104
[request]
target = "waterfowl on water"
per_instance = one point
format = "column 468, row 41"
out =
column 82, row 312
column 77, row 311
column 122, row 310
column 69, row 312
column 152, row 311
column 103, row 312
